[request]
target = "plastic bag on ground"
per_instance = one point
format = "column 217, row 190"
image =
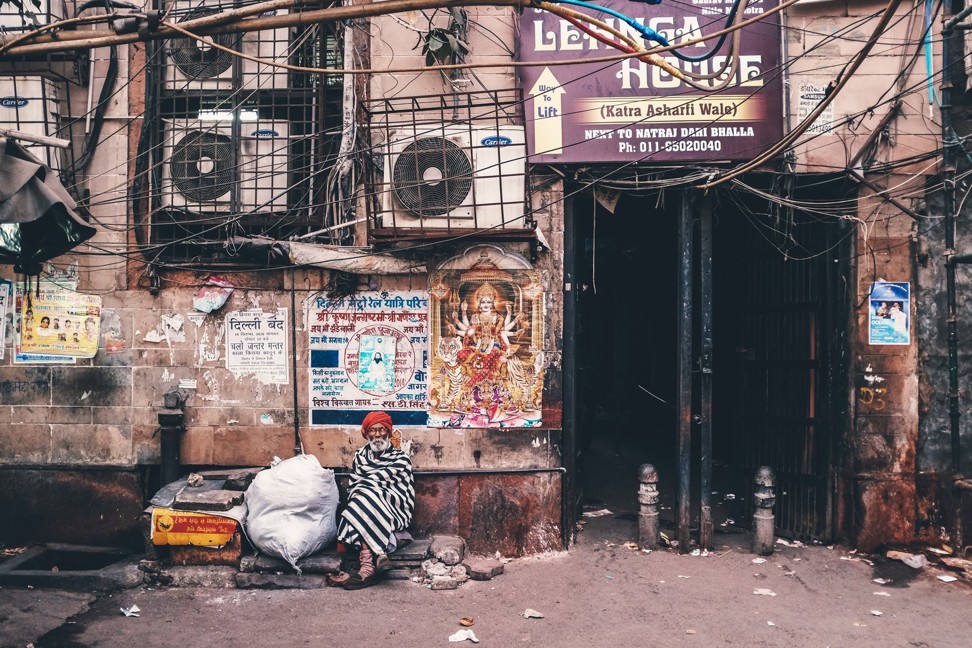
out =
column 292, row 509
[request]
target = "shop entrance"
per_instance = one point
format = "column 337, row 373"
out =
column 776, row 328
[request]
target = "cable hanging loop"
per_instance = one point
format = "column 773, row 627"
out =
column 646, row 32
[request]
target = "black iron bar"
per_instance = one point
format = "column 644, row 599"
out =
column 685, row 226
column 570, row 403
column 298, row 446
column 705, row 373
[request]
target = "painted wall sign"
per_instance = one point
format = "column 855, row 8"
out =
column 487, row 324
column 889, row 313
column 57, row 321
column 630, row 111
column 256, row 344
column 368, row 352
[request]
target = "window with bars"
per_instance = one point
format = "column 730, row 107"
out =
column 236, row 148
column 451, row 165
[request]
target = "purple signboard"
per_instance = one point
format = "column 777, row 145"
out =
column 633, row 111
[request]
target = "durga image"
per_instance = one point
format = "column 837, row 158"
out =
column 485, row 335
column 487, row 362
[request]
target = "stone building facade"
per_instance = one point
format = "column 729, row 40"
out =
column 80, row 444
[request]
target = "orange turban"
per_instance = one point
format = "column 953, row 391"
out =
column 374, row 418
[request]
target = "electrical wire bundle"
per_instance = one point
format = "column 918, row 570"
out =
column 628, row 47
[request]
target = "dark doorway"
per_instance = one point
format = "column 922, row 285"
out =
column 777, row 324
column 626, row 342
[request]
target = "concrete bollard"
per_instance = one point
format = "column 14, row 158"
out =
column 648, row 499
column 763, row 518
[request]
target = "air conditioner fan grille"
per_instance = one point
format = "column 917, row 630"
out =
column 198, row 61
column 202, row 165
column 432, row 176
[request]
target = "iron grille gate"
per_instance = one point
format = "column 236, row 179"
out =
column 785, row 372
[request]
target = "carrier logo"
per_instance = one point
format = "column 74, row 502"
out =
column 264, row 132
column 497, row 140
column 13, row 102
column 272, row 12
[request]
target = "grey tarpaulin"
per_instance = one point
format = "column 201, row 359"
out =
column 37, row 215
column 354, row 260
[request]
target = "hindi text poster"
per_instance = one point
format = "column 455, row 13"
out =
column 256, row 344
column 60, row 322
column 368, row 352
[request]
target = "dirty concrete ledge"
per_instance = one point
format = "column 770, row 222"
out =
column 72, row 567
column 426, row 561
column 440, row 562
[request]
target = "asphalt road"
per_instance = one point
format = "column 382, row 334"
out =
column 600, row 593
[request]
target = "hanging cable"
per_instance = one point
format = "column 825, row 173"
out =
column 722, row 39
column 843, row 79
column 647, row 32
column 932, row 94
column 91, row 139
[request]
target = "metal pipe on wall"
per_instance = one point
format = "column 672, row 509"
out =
column 951, row 259
column 948, row 182
column 570, row 404
column 298, row 445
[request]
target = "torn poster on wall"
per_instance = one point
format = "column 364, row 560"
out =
column 19, row 356
column 487, row 323
column 889, row 313
column 368, row 352
column 256, row 344
column 6, row 293
column 60, row 322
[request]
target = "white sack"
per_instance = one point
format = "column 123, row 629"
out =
column 292, row 509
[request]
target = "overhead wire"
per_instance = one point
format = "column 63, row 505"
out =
column 843, row 79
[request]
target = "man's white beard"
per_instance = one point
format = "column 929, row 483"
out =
column 379, row 445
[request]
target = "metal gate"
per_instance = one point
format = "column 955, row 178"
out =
column 786, row 366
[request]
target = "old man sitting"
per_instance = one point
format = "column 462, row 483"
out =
column 381, row 500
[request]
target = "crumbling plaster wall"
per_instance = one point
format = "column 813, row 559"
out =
column 90, row 429
column 934, row 441
column 396, row 45
column 883, row 441
column 103, row 411
column 816, row 57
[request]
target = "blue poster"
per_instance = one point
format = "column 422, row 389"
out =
column 376, row 364
column 367, row 352
column 889, row 313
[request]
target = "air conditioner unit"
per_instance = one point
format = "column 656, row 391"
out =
column 194, row 65
column 30, row 104
column 203, row 165
column 14, row 20
column 443, row 176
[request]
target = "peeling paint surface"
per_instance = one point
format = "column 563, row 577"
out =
column 213, row 385
column 931, row 332
column 207, row 351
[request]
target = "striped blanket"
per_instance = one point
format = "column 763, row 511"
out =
column 381, row 499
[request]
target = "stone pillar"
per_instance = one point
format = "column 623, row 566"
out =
column 763, row 518
column 648, row 515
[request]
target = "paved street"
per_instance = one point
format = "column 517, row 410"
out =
column 601, row 593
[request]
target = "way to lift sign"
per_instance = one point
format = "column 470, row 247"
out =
column 632, row 111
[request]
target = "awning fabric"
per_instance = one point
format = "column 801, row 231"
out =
column 37, row 215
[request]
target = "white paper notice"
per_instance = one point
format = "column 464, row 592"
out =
column 256, row 344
